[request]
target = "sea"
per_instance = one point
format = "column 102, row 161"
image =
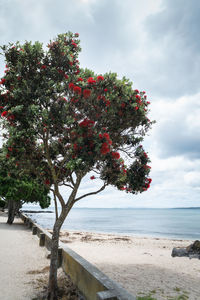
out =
column 173, row 223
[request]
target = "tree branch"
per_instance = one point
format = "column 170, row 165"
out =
column 66, row 185
column 72, row 180
column 92, row 193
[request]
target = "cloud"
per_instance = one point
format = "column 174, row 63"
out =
column 193, row 179
column 173, row 35
column 155, row 44
column 177, row 129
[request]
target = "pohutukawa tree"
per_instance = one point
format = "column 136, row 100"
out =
column 64, row 122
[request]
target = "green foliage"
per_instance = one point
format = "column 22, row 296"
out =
column 2, row 203
column 21, row 188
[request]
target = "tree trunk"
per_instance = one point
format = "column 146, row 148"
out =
column 52, row 286
column 13, row 209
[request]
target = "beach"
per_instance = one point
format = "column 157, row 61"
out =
column 143, row 266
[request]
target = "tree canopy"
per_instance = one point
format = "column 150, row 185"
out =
column 63, row 122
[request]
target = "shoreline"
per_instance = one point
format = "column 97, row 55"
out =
column 136, row 236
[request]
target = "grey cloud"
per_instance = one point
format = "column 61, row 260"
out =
column 174, row 139
column 173, row 33
column 103, row 25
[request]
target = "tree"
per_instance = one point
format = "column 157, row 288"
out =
column 17, row 189
column 64, row 122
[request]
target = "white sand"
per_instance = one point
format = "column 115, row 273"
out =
column 19, row 254
column 140, row 265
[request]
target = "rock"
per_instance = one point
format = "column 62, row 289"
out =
column 179, row 252
column 195, row 247
column 191, row 251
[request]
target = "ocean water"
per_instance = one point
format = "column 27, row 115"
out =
column 178, row 223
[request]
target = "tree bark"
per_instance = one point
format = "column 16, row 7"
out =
column 13, row 209
column 53, row 286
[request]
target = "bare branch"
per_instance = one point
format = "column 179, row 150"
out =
column 93, row 170
column 92, row 193
column 72, row 180
column 65, row 184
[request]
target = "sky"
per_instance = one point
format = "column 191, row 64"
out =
column 156, row 45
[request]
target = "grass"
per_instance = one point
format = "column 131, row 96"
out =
column 146, row 298
column 150, row 295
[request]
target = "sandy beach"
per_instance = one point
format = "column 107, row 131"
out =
column 143, row 266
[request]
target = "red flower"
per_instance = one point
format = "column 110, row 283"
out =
column 123, row 105
column 76, row 34
column 10, row 149
column 136, row 91
column 100, row 78
column 1, row 107
column 148, row 102
column 11, row 117
column 92, row 177
column 71, row 86
column 136, row 108
column 106, row 135
column 74, row 44
column 105, row 90
column 107, row 103
column 86, row 123
column 99, row 97
column 91, row 80
column 43, row 67
column 4, row 113
column 86, row 93
column 122, row 188
column 100, row 136
column 75, row 147
column 2, row 81
column 145, row 154
column 77, row 90
column 73, row 100
column 115, row 155
column 80, row 79
column 7, row 155
column 66, row 76
column 47, row 181
column 105, row 148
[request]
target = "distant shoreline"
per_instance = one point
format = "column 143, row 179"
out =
column 117, row 208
